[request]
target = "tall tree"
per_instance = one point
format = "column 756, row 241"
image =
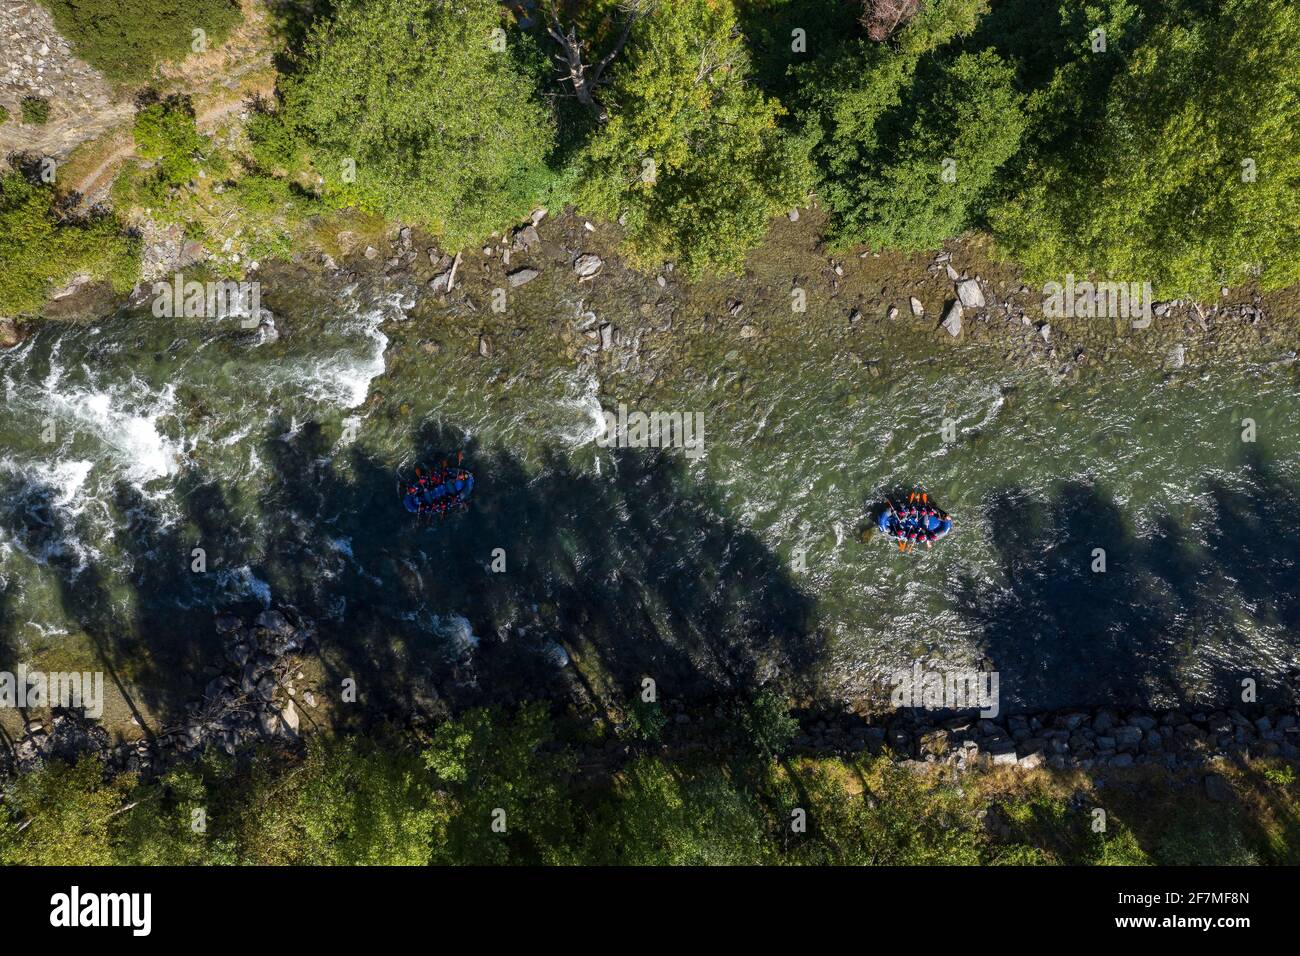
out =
column 419, row 110
column 909, row 140
column 692, row 160
column 1186, row 177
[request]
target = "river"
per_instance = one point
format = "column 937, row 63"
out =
column 129, row 442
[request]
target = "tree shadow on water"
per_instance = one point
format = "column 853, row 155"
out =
column 631, row 574
column 555, row 583
column 1162, row 624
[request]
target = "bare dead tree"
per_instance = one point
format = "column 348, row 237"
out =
column 584, row 78
column 882, row 18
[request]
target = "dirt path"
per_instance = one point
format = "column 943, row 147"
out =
column 93, row 185
column 85, row 108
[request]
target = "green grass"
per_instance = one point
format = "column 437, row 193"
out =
column 126, row 39
column 36, row 110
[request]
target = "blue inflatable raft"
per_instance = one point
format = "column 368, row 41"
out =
column 436, row 492
column 889, row 522
column 919, row 521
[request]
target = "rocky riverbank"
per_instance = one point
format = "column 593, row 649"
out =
column 257, row 699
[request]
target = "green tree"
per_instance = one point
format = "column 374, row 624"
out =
column 509, row 795
column 418, row 110
column 126, row 39
column 349, row 802
column 59, row 815
column 175, row 819
column 692, row 159
column 909, row 142
column 41, row 250
column 658, row 815
column 1186, row 174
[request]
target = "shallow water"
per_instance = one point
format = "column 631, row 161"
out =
column 129, row 443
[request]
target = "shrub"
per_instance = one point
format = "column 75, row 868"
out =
column 646, row 720
column 166, row 134
column 660, row 815
column 126, row 39
column 42, row 251
column 36, row 110
column 765, row 724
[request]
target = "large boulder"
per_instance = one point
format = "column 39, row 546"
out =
column 521, row 277
column 587, row 265
column 952, row 320
column 970, row 293
column 1218, row 789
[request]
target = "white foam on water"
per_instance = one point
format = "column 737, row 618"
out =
column 124, row 420
column 583, row 401
column 64, row 480
column 242, row 582
column 347, row 380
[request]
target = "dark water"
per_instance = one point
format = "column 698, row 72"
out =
column 279, row 460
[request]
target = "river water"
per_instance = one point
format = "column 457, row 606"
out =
column 130, row 442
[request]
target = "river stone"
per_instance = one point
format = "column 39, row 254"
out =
column 521, row 276
column 970, row 293
column 1177, row 356
column 606, row 336
column 1217, row 788
column 484, row 346
column 273, row 621
column 952, row 320
column 917, row 308
column 526, row 238
column 587, row 265
column 290, row 717
column 1127, row 736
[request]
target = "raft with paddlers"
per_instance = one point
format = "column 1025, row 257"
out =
column 437, row 491
column 914, row 520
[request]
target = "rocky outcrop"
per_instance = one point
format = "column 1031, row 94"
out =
column 1082, row 739
column 252, row 701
